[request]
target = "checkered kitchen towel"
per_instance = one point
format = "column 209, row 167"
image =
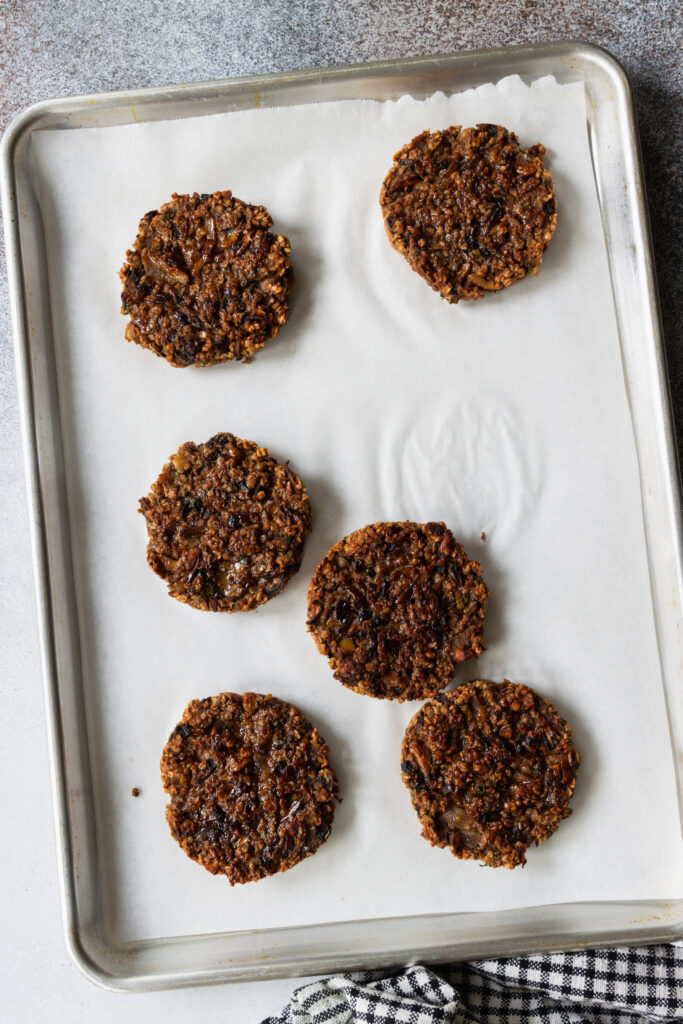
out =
column 615, row 986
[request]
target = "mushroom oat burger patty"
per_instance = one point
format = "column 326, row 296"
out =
column 490, row 768
column 206, row 280
column 395, row 607
column 226, row 524
column 251, row 787
column 469, row 209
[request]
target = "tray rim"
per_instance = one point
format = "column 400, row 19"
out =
column 26, row 119
column 80, row 946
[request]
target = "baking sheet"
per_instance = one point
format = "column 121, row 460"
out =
column 507, row 416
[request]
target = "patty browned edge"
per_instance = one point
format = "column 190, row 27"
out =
column 491, row 768
column 226, row 524
column 395, row 607
column 251, row 787
column 205, row 280
column 470, row 211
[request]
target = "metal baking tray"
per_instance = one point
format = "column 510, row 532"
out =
column 253, row 955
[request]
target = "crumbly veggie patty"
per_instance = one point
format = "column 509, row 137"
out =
column 206, row 280
column 226, row 523
column 395, row 607
column 470, row 211
column 251, row 787
column 491, row 768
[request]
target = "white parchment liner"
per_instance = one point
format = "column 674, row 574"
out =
column 506, row 416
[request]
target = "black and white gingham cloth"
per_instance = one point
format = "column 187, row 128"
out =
column 610, row 986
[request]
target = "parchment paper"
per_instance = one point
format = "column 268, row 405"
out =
column 507, row 416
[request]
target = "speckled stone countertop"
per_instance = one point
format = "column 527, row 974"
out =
column 58, row 47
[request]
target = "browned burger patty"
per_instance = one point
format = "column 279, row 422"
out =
column 251, row 787
column 206, row 280
column 469, row 209
column 226, row 524
column 491, row 768
column 395, row 607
